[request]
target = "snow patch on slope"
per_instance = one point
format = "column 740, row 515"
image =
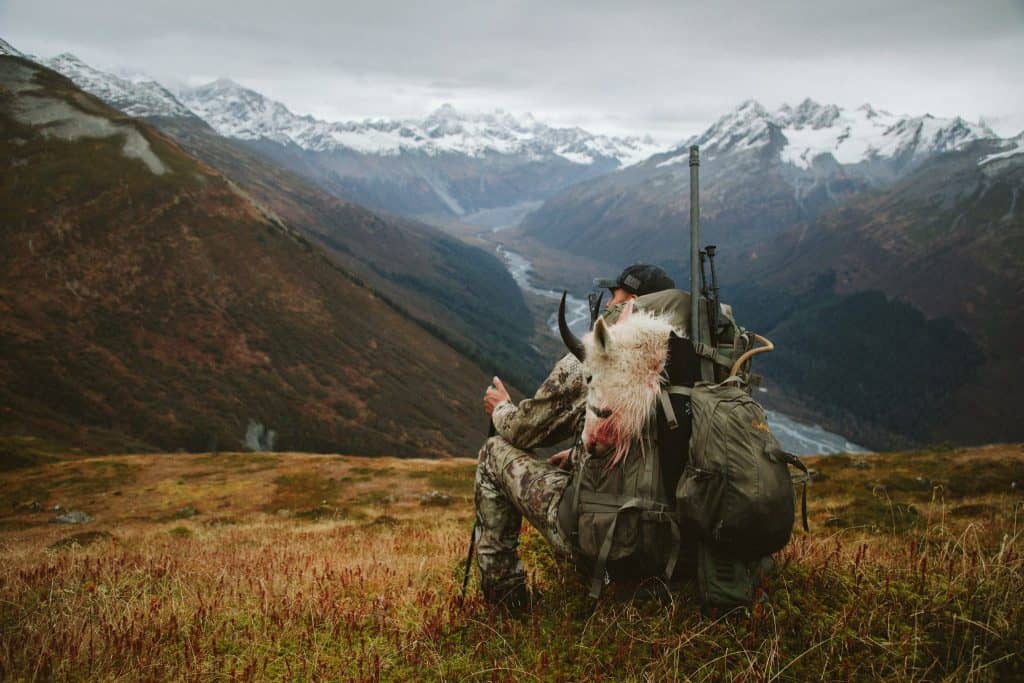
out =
column 1016, row 147
column 59, row 119
column 142, row 98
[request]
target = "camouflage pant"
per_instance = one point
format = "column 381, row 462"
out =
column 512, row 484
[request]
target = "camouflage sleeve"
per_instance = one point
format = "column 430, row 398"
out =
column 551, row 415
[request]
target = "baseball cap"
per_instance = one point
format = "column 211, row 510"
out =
column 639, row 279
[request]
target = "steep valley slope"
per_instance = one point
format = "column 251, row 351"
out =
column 919, row 290
column 462, row 293
column 146, row 303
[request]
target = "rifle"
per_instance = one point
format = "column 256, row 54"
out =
column 698, row 331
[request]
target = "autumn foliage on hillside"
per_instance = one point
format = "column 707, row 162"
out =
column 165, row 311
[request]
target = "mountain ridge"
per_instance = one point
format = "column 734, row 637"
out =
column 445, row 166
column 149, row 304
column 236, row 111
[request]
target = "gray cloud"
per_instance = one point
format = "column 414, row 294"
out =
column 664, row 67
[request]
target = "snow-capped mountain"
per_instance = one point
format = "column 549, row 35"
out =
column 763, row 171
column 238, row 112
column 810, row 130
column 8, row 49
column 1012, row 147
column 454, row 163
column 143, row 98
column 447, row 164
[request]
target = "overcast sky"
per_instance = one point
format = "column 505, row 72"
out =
column 665, row 68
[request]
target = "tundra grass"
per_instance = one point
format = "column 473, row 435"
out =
column 912, row 571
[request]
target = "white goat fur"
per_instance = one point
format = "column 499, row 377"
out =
column 624, row 362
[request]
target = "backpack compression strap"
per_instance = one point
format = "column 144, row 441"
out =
column 795, row 462
column 712, row 354
column 666, row 403
column 649, row 509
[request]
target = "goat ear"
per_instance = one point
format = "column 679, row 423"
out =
column 601, row 336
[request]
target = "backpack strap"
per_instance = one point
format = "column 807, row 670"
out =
column 797, row 463
column 677, row 543
column 601, row 564
column 666, row 403
column 712, row 354
column 666, row 409
column 649, row 509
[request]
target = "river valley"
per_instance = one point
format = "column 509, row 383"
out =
column 796, row 437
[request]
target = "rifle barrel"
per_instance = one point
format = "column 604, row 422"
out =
column 694, row 241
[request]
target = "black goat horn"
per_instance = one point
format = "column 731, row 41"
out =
column 570, row 340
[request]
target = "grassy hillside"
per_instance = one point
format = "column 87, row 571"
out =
column 145, row 303
column 298, row 566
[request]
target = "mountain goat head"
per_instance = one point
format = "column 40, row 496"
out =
column 623, row 364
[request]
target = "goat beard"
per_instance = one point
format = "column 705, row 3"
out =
column 627, row 378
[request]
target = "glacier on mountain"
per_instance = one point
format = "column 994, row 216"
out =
column 1015, row 145
column 809, row 130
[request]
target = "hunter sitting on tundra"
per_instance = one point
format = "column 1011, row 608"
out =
column 511, row 482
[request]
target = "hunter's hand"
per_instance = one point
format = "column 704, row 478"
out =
column 561, row 459
column 494, row 395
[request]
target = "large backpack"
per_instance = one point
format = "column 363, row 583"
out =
column 736, row 491
column 706, row 490
column 625, row 518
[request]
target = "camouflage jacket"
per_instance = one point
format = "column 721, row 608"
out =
column 556, row 411
column 553, row 414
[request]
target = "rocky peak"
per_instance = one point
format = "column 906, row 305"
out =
column 445, row 112
column 8, row 49
column 745, row 127
column 144, row 98
column 869, row 111
column 810, row 114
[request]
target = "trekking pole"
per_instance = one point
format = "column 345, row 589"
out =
column 469, row 561
column 472, row 537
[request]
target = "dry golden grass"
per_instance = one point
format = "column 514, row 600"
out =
column 299, row 567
